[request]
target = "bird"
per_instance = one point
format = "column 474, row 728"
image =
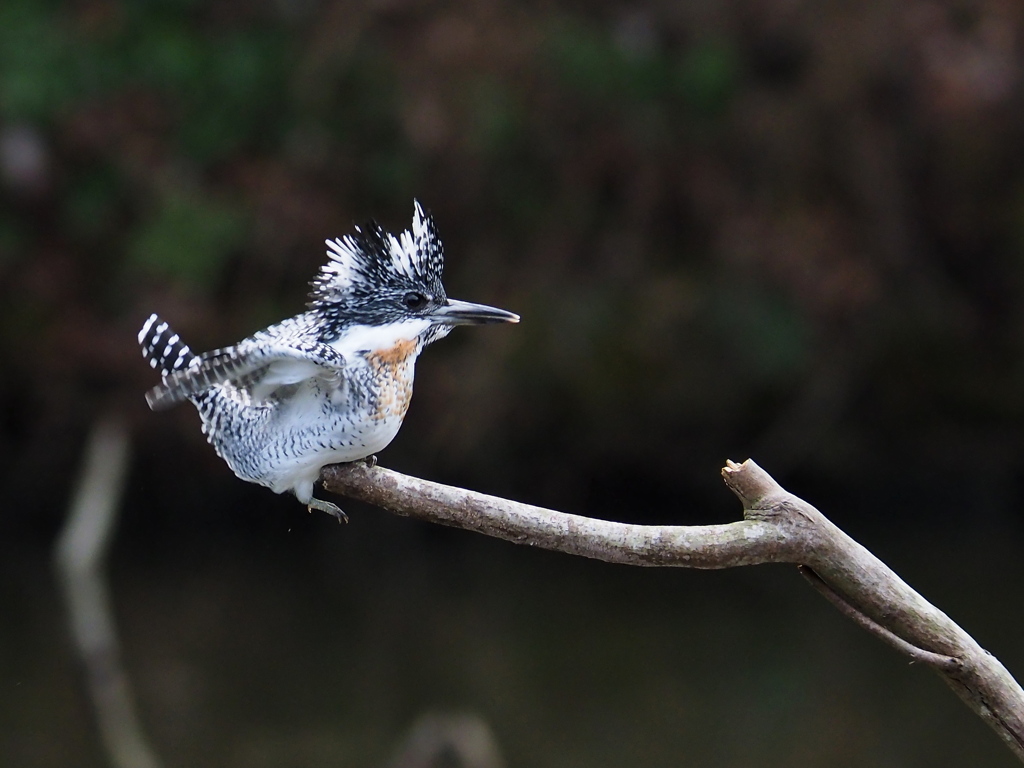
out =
column 332, row 384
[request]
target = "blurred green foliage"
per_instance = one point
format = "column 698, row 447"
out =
column 37, row 61
column 187, row 239
column 713, row 221
column 780, row 230
column 635, row 69
column 591, row 64
column 709, row 76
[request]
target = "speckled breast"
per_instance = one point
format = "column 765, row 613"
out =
column 392, row 371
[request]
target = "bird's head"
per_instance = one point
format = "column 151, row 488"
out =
column 377, row 279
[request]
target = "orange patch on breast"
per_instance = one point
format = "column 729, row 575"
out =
column 397, row 356
column 393, row 374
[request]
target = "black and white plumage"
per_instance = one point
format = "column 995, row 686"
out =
column 329, row 385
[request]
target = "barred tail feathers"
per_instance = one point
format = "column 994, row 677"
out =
column 168, row 354
column 163, row 349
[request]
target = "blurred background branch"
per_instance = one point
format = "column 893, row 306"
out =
column 441, row 739
column 80, row 561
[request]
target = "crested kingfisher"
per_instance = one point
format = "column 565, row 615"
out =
column 329, row 385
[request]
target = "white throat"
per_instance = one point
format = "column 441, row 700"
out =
column 371, row 338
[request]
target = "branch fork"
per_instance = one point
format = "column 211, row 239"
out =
column 777, row 527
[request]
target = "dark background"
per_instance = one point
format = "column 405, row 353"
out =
column 769, row 228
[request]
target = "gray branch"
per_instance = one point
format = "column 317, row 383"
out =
column 80, row 561
column 440, row 739
column 777, row 527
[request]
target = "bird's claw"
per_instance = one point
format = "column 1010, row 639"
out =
column 371, row 460
column 331, row 509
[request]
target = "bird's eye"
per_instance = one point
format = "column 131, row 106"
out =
column 414, row 300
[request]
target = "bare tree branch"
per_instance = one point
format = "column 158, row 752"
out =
column 917, row 654
column 440, row 739
column 777, row 527
column 80, row 560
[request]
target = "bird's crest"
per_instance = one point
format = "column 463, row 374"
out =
column 371, row 258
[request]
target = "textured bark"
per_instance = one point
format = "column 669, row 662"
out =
column 777, row 527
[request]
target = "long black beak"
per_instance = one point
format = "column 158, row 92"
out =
column 456, row 312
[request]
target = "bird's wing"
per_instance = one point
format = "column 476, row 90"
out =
column 258, row 369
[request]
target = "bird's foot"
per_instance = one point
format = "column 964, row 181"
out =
column 331, row 509
column 371, row 461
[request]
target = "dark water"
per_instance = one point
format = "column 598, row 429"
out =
column 302, row 643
